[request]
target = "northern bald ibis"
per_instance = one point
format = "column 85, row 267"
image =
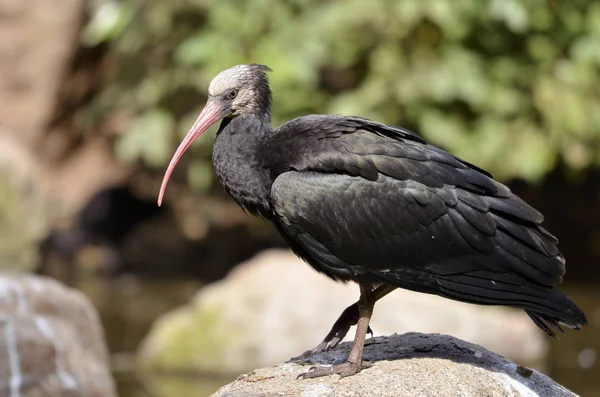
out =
column 375, row 204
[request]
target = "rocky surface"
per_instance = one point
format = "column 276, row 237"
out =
column 404, row 365
column 275, row 307
column 52, row 341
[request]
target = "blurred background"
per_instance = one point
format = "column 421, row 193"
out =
column 96, row 94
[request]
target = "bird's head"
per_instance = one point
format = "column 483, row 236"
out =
column 239, row 90
column 242, row 89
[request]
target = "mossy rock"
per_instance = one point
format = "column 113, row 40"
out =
column 189, row 339
column 23, row 223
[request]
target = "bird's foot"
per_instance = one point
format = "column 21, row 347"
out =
column 327, row 344
column 321, row 347
column 343, row 370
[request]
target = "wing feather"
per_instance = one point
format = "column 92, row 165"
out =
column 367, row 202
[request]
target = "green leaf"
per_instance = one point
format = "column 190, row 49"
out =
column 107, row 23
column 148, row 138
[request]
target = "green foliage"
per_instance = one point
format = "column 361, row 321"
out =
column 148, row 138
column 109, row 22
column 511, row 85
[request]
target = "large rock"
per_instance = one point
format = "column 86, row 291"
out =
column 23, row 223
column 275, row 307
column 404, row 365
column 51, row 341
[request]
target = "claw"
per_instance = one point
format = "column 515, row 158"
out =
column 343, row 370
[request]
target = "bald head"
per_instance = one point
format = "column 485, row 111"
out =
column 237, row 76
column 245, row 86
column 240, row 90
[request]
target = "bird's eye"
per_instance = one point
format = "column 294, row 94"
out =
column 232, row 94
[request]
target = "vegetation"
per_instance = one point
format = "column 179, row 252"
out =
column 511, row 85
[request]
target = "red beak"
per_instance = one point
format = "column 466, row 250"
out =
column 209, row 115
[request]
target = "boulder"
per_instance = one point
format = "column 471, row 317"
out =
column 51, row 341
column 275, row 307
column 409, row 365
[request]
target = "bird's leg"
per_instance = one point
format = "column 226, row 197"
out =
column 348, row 318
column 354, row 362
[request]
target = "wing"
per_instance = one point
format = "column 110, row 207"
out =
column 362, row 202
column 379, row 228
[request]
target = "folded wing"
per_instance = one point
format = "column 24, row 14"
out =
column 367, row 202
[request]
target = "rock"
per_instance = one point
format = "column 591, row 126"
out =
column 52, row 341
column 412, row 364
column 23, row 222
column 275, row 307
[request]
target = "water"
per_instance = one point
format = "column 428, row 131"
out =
column 574, row 360
column 169, row 386
column 128, row 307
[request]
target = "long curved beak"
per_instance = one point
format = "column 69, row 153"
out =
column 211, row 113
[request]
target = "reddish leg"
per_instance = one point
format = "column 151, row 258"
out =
column 354, row 362
column 347, row 319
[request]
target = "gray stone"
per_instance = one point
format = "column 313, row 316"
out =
column 275, row 307
column 412, row 364
column 51, row 341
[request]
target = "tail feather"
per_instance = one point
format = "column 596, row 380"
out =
column 571, row 316
column 544, row 322
column 547, row 307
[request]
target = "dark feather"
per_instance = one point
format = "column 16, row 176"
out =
column 363, row 201
column 367, row 202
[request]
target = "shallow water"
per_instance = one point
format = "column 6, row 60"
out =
column 130, row 385
column 128, row 307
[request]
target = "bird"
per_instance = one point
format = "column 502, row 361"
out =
column 375, row 204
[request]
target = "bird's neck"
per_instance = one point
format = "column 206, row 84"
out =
column 237, row 162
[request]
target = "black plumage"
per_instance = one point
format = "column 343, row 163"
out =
column 375, row 204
